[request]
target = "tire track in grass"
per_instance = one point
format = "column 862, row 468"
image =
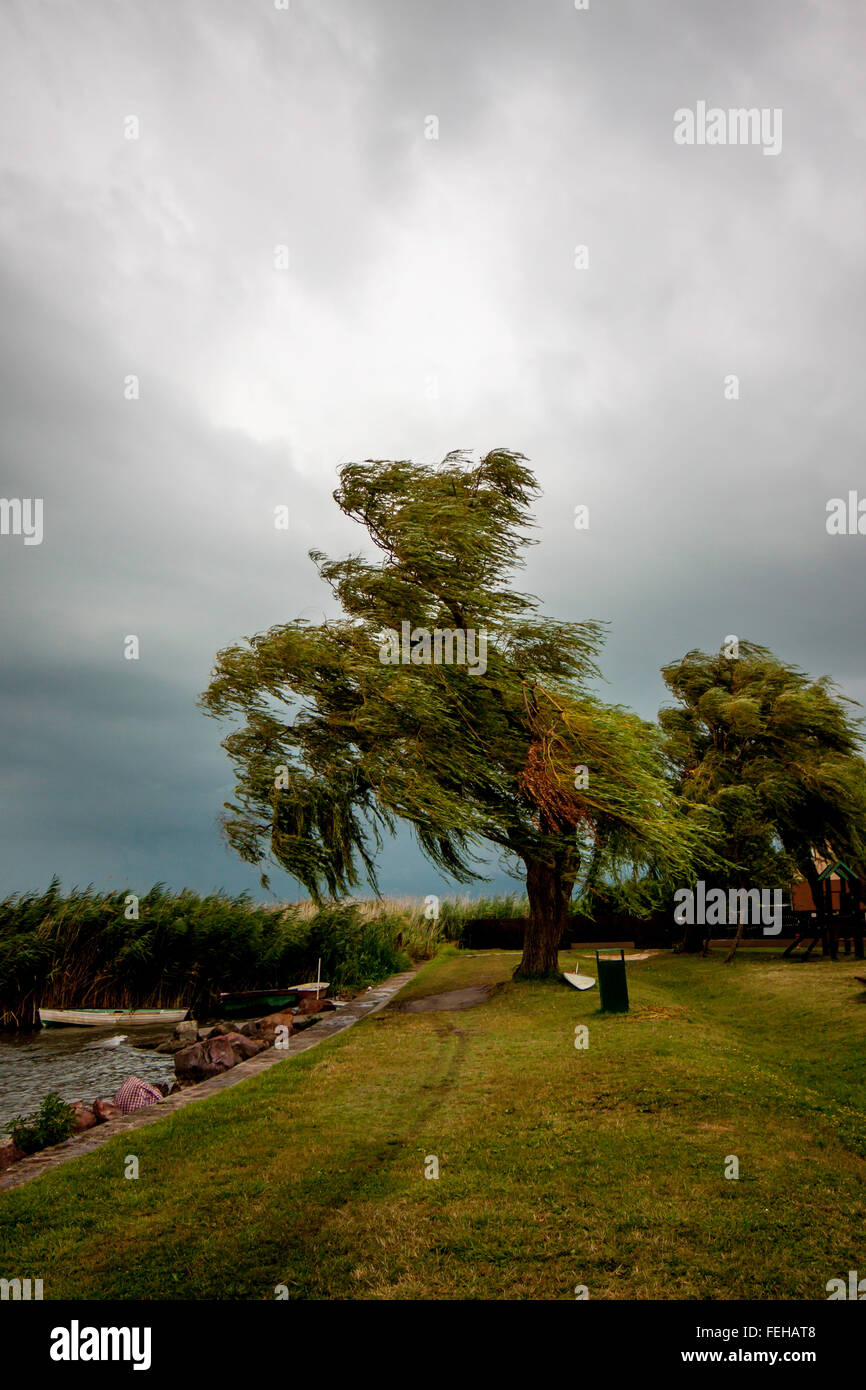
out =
column 370, row 1174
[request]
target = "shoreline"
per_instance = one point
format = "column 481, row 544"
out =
column 362, row 1006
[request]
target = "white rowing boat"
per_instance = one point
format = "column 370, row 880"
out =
column 107, row 1018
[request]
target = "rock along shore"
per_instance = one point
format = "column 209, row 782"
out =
column 208, row 1060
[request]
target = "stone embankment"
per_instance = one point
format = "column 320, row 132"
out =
column 206, row 1059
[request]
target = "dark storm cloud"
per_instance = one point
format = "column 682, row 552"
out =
column 431, row 302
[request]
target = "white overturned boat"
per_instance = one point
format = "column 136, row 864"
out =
column 579, row 981
column 107, row 1018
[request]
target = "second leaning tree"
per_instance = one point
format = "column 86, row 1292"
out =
column 347, row 732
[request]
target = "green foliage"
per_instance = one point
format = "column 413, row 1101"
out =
column 53, row 1122
column 464, row 759
column 454, row 913
column 353, row 952
column 184, row 949
column 775, row 758
column 627, row 897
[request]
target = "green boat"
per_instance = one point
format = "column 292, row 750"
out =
column 248, row 1003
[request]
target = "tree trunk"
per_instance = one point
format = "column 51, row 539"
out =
column 694, row 939
column 548, row 887
column 738, row 938
column 806, row 865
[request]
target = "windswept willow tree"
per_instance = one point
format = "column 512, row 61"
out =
column 775, row 759
column 341, row 742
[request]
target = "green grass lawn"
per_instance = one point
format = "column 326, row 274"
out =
column 558, row 1167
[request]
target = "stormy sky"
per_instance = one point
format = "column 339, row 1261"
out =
column 154, row 156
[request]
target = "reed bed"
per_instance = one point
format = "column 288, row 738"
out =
column 82, row 950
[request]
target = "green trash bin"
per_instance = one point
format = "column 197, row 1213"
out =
column 612, row 984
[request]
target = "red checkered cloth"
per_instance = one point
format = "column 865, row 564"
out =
column 134, row 1094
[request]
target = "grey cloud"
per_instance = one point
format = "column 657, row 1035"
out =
column 409, row 259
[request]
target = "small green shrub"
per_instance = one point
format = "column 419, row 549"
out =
column 53, row 1122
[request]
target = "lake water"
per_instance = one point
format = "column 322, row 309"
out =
column 77, row 1063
